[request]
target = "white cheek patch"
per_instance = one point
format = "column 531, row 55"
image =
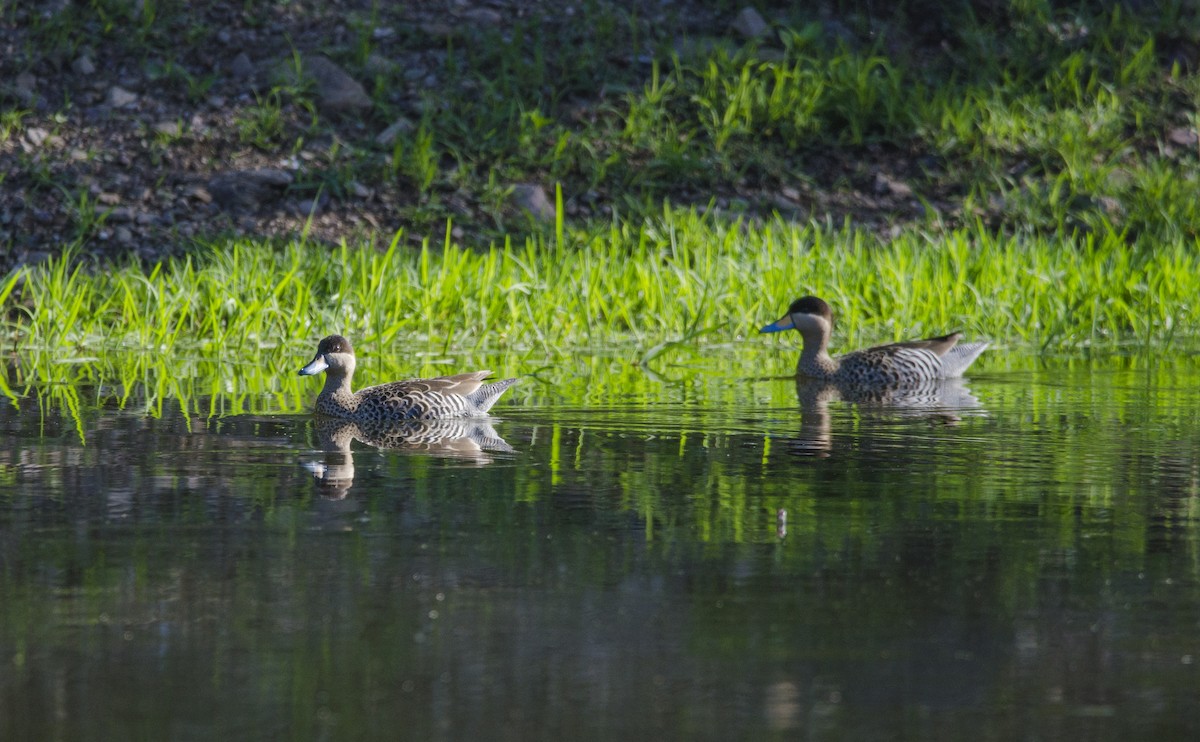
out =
column 811, row 322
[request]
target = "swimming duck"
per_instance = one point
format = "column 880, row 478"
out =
column 885, row 365
column 460, row 395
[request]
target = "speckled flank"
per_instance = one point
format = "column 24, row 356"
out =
column 882, row 366
column 416, row 399
column 885, row 365
column 461, row 395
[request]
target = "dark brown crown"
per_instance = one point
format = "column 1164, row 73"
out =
column 812, row 305
column 334, row 344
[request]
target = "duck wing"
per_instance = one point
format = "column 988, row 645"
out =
column 939, row 346
column 429, row 399
column 460, row 384
column 933, row 358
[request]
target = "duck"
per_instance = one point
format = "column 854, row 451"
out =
column 439, row 398
column 898, row 364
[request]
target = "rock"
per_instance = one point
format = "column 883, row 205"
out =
column 124, row 235
column 312, row 206
column 839, row 33
column 377, row 64
column 36, row 136
column 885, row 185
column 120, row 215
column 200, row 193
column 437, row 31
column 35, row 257
column 783, row 204
column 1119, row 179
column 241, row 68
column 383, row 32
column 84, row 66
column 532, row 199
column 337, row 91
column 270, row 176
column 750, row 25
column 400, row 126
column 23, row 89
column 483, row 16
column 248, row 189
column 1184, row 137
column 1110, row 205
column 108, row 199
column 169, row 128
column 25, row 98
column 119, row 97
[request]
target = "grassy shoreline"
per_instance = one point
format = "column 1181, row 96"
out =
column 680, row 278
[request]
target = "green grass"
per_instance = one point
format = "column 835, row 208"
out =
column 673, row 278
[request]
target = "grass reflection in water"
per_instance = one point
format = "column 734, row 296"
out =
column 991, row 546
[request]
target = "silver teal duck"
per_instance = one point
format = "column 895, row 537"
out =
column 460, row 395
column 911, row 362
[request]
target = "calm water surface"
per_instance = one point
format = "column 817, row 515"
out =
column 705, row 556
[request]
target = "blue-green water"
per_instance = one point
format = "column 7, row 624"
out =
column 700, row 554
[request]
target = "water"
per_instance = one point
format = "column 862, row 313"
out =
column 695, row 553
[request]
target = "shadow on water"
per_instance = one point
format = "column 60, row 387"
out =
column 707, row 554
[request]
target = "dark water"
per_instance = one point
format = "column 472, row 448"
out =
column 707, row 556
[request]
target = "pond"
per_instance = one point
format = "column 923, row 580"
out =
column 691, row 551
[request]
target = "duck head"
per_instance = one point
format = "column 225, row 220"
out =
column 810, row 315
column 334, row 354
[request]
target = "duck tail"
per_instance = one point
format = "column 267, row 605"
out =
column 960, row 357
column 485, row 396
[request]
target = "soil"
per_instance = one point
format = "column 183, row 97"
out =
column 136, row 146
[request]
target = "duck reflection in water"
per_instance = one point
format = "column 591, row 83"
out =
column 941, row 401
column 470, row 439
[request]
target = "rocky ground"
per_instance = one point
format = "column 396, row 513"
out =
column 129, row 135
column 127, row 149
column 134, row 128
